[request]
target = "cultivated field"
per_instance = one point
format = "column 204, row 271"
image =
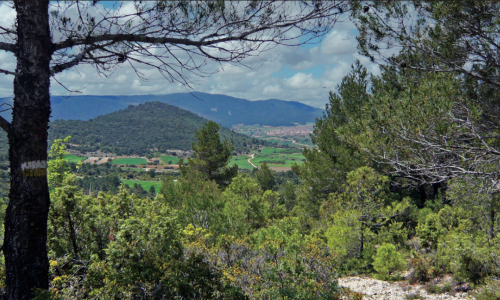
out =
column 278, row 159
column 129, row 161
column 166, row 159
column 242, row 162
column 145, row 184
column 279, row 150
column 73, row 158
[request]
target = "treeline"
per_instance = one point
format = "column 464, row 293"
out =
column 141, row 130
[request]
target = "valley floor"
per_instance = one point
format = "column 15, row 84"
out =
column 374, row 289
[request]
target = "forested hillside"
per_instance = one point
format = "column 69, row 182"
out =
column 140, row 129
column 222, row 109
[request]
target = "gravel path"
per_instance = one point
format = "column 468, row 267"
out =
column 377, row 289
column 250, row 160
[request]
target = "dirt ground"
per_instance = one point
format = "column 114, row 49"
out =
column 91, row 160
column 280, row 169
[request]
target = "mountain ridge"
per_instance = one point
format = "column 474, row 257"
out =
column 223, row 109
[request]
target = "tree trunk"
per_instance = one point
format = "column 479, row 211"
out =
column 25, row 242
column 492, row 221
column 423, row 196
column 435, row 189
column 361, row 242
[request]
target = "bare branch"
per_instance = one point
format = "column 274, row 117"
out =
column 5, row 125
column 7, row 72
column 7, row 47
column 70, row 91
column 9, row 31
column 75, row 61
column 157, row 40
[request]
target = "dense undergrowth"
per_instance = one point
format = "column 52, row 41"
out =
column 254, row 239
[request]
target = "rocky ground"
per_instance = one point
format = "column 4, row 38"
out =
column 377, row 289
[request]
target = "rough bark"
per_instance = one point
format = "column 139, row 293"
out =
column 25, row 247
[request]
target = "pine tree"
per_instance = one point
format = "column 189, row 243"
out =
column 327, row 166
column 265, row 178
column 211, row 156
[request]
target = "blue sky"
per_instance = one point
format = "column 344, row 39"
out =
column 305, row 74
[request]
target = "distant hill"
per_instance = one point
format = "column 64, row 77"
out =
column 139, row 128
column 222, row 109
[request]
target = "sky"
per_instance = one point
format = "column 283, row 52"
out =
column 303, row 73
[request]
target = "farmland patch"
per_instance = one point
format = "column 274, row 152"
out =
column 166, row 159
column 241, row 161
column 129, row 161
column 73, row 158
column 278, row 159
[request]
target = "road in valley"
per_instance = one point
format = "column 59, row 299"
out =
column 250, row 160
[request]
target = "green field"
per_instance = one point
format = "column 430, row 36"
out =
column 129, row 161
column 136, row 169
column 278, row 160
column 288, row 163
column 145, row 184
column 241, row 161
column 298, row 156
column 259, row 159
column 73, row 158
column 272, row 150
column 166, row 159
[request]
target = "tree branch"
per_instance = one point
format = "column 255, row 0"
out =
column 7, row 47
column 61, row 67
column 144, row 38
column 141, row 39
column 81, row 56
column 7, row 72
column 9, row 31
column 5, row 125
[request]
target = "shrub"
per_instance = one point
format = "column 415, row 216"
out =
column 422, row 270
column 469, row 257
column 430, row 231
column 489, row 292
column 413, row 297
column 387, row 260
column 432, row 288
column 447, row 287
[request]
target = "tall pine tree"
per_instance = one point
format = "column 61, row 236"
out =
column 211, row 156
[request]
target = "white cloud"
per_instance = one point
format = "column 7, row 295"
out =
column 272, row 90
column 301, row 81
column 8, row 14
column 339, row 43
column 256, row 82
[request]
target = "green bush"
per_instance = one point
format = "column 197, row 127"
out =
column 432, row 288
column 387, row 260
column 491, row 291
column 430, row 231
column 447, row 287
